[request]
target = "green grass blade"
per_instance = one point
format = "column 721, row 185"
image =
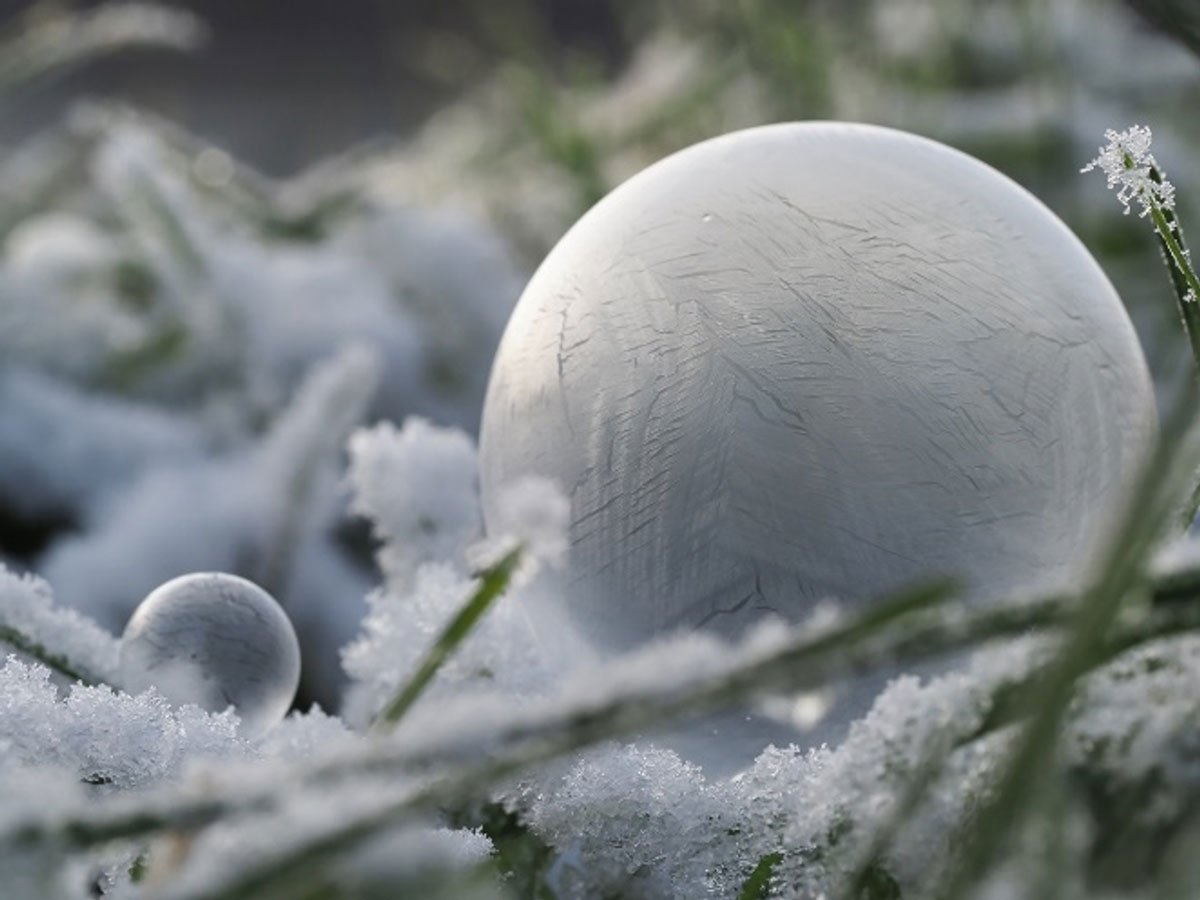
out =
column 493, row 581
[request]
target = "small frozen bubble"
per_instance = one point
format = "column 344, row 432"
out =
column 813, row 361
column 215, row 640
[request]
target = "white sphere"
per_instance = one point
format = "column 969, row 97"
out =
column 214, row 640
column 811, row 361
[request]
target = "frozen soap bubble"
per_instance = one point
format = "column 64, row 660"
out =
column 214, row 640
column 812, row 361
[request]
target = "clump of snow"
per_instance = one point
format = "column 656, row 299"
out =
column 105, row 737
column 418, row 486
column 66, row 449
column 304, row 735
column 533, row 513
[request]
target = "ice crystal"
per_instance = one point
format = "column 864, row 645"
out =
column 1131, row 169
column 102, row 736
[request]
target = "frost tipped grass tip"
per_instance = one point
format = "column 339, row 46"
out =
column 1131, row 169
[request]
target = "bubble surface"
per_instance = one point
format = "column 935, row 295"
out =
column 812, row 361
column 214, row 640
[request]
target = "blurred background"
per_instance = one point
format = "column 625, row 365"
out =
column 233, row 231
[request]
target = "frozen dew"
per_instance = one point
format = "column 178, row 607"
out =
column 813, row 361
column 1129, row 167
column 214, row 640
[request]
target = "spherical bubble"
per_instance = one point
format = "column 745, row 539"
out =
column 214, row 640
column 811, row 361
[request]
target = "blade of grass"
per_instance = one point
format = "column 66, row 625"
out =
column 493, row 581
column 758, row 884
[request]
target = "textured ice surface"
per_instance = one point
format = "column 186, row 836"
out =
column 815, row 360
column 214, row 640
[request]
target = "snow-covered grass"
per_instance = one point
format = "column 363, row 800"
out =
column 200, row 368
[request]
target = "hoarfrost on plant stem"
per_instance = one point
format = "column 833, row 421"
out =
column 534, row 512
column 27, row 608
column 401, row 859
column 1127, row 162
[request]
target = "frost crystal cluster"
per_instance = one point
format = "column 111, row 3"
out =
column 1131, row 169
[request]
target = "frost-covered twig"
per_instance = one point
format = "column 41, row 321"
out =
column 469, row 761
column 510, row 743
column 548, row 736
column 493, row 581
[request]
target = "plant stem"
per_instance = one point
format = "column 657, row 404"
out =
column 1183, row 277
column 54, row 661
column 1187, row 296
column 493, row 581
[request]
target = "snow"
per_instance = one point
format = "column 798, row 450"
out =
column 67, row 449
column 417, row 485
column 27, row 607
column 104, row 737
column 204, row 370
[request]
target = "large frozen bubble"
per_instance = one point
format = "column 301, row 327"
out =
column 214, row 640
column 813, row 361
